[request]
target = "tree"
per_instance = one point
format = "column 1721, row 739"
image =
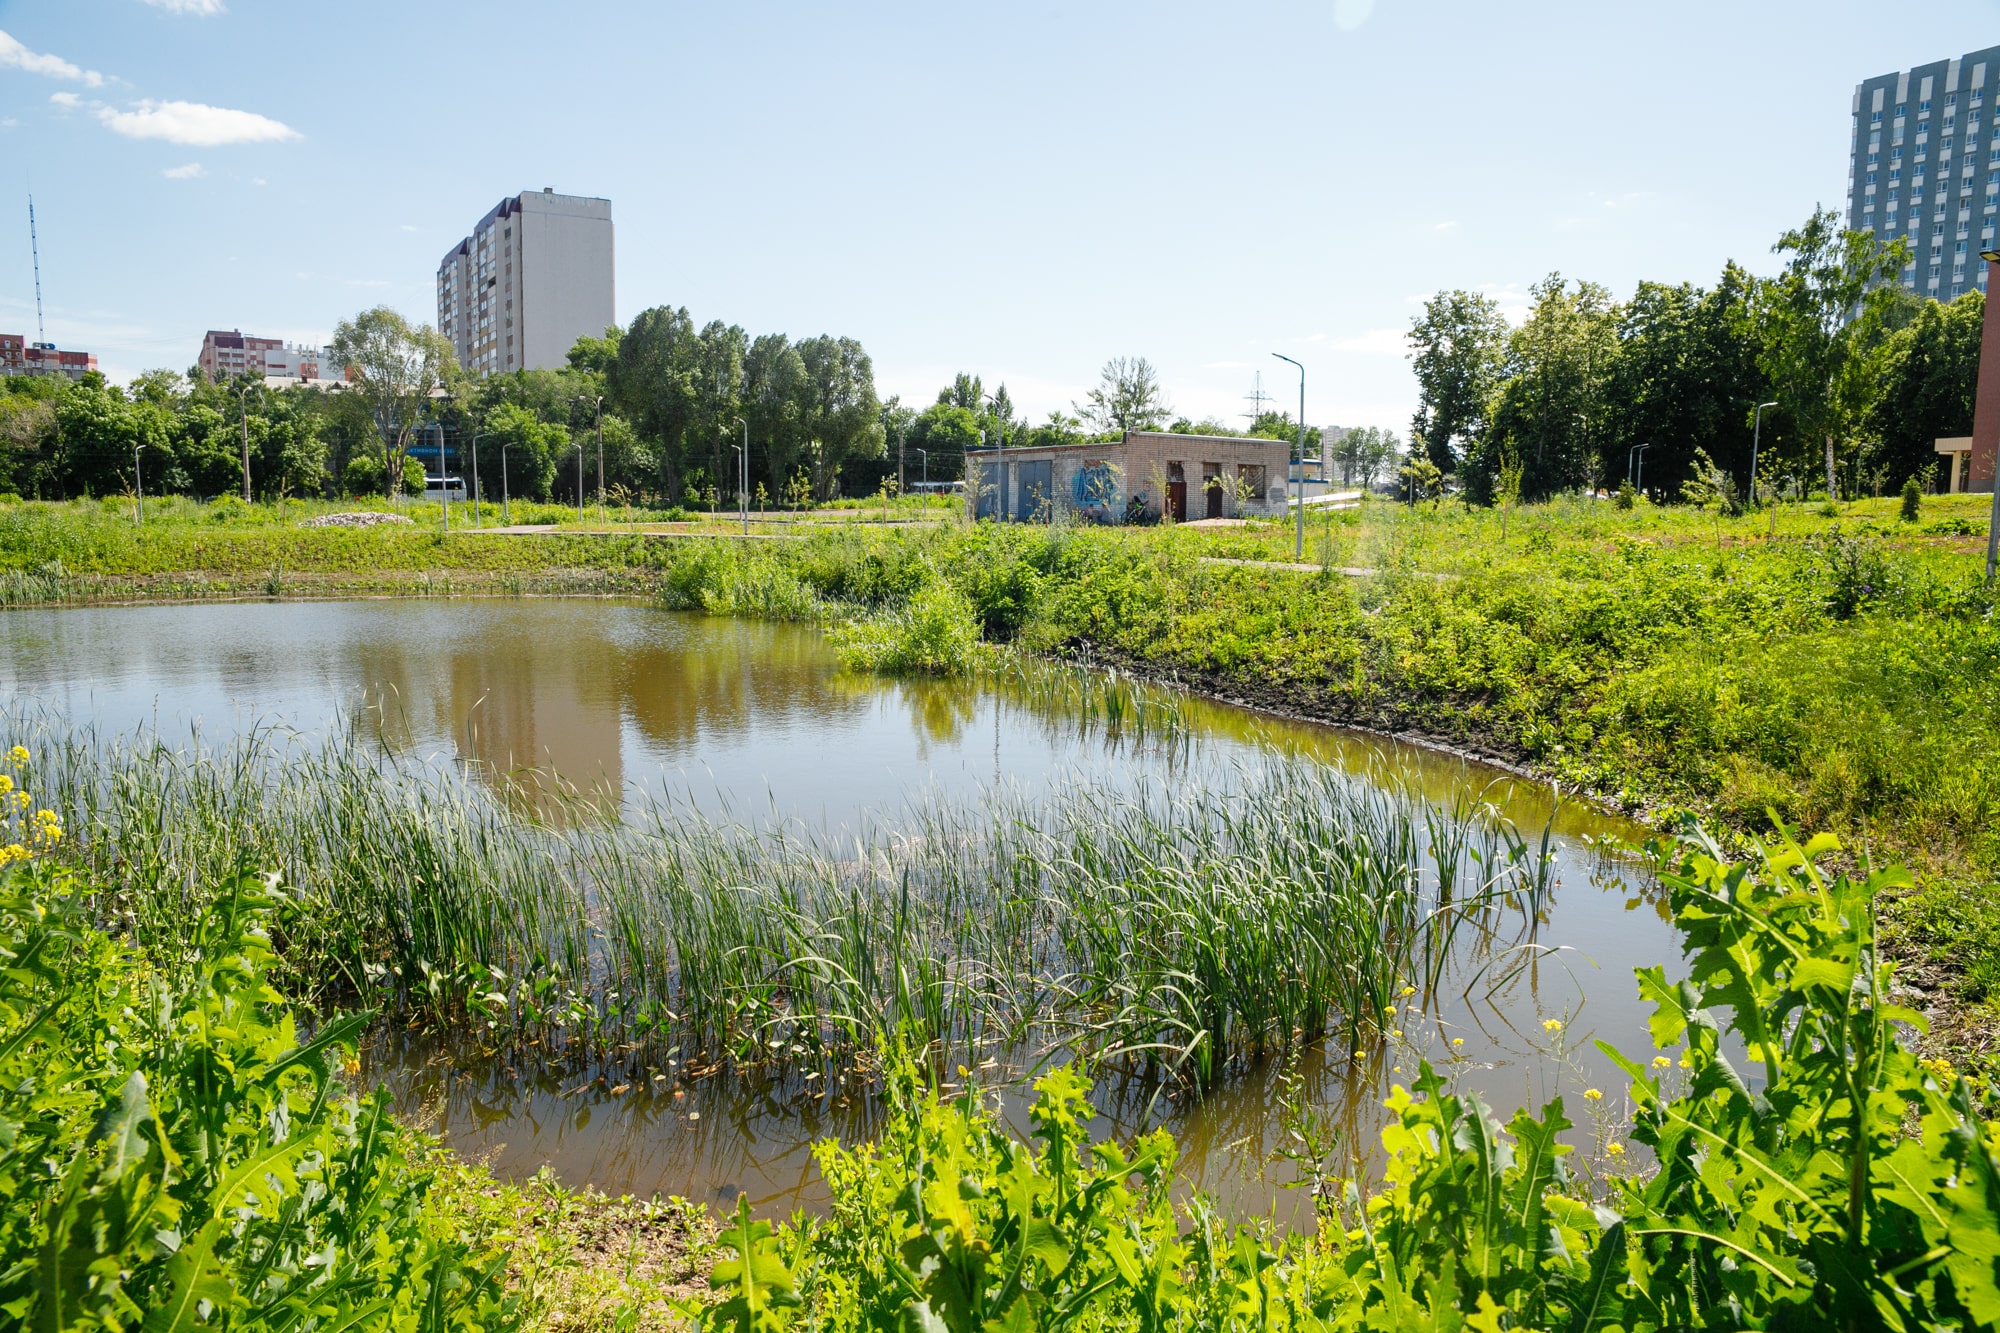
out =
column 596, row 355
column 1127, row 397
column 1363, row 452
column 1817, row 322
column 1458, row 345
column 842, row 418
column 395, row 367
column 532, row 448
column 1926, row 375
column 1685, row 379
column 1551, row 409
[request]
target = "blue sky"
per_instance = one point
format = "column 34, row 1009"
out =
column 1020, row 191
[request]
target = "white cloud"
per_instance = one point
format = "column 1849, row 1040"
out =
column 1376, row 342
column 1351, row 14
column 1445, row 227
column 194, row 124
column 258, row 180
column 13, row 55
column 408, row 227
column 184, row 173
column 201, row 9
column 8, row 122
column 66, row 99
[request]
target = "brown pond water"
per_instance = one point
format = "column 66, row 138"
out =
column 755, row 722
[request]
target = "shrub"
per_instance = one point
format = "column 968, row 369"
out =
column 1628, row 495
column 176, row 1153
column 1913, row 501
column 934, row 634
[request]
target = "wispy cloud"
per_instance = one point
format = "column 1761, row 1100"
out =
column 13, row 55
column 194, row 124
column 201, row 9
column 1376, row 342
column 184, row 173
column 1444, row 227
column 408, row 227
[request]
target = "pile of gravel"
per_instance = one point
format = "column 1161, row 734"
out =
column 364, row 518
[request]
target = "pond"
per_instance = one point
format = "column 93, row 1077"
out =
column 578, row 710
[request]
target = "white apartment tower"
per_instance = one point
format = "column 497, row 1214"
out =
column 1924, row 164
column 534, row 276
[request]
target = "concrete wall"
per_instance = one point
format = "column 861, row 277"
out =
column 1140, row 465
column 567, row 289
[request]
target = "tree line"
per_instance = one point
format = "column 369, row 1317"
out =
column 662, row 403
column 1663, row 389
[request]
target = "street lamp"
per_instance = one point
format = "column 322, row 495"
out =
column 444, row 477
column 579, row 481
column 475, row 477
column 1756, row 433
column 243, row 404
column 1640, row 484
column 743, row 474
column 506, row 514
column 1299, row 545
column 597, row 408
column 1992, row 258
column 927, row 465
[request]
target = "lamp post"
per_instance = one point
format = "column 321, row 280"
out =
column 579, row 481
column 1640, row 484
column 475, row 476
column 1756, row 435
column 597, row 410
column 927, row 465
column 444, row 477
column 506, row 514
column 1299, row 544
column 138, row 486
column 743, row 474
column 1992, row 258
column 243, row 405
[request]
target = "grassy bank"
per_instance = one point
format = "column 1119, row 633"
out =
column 1841, row 671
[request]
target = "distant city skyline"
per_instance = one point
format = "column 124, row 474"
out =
column 1020, row 196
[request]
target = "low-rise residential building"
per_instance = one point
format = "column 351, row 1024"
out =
column 229, row 353
column 18, row 356
column 1134, row 479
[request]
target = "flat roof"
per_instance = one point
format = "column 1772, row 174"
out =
column 1131, row 435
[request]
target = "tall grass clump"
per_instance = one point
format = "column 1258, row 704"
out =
column 1182, row 927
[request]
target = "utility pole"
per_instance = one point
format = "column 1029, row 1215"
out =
column 598, row 427
column 139, row 487
column 444, row 477
column 475, row 477
column 579, row 483
column 506, row 514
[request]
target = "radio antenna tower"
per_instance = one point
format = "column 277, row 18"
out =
column 35, row 250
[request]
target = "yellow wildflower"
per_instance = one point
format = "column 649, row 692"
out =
column 1661, row 1062
column 22, row 800
column 18, row 755
column 1361, row 1055
column 1397, row 1034
column 1409, row 990
column 6, row 784
column 1458, row 1041
column 1592, row 1095
column 1615, row 1149
column 1552, row 1025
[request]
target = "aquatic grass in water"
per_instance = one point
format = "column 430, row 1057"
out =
column 1177, row 927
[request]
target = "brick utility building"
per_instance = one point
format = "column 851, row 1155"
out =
column 18, row 356
column 535, row 275
column 229, row 353
column 1139, row 477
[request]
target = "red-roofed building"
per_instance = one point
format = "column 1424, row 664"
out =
column 18, row 356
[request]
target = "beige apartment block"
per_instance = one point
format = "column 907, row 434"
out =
column 535, row 275
column 1189, row 476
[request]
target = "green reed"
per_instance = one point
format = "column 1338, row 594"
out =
column 1181, row 926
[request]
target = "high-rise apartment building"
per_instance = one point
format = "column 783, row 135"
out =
column 1925, row 165
column 534, row 276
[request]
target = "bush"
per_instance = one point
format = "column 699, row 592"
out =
column 413, row 477
column 1913, row 501
column 177, row 1153
column 364, row 476
column 1628, row 495
column 934, row 634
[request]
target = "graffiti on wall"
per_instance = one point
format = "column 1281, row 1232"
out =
column 1094, row 489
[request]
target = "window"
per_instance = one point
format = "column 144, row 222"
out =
column 1899, row 111
column 1923, row 106
column 1951, row 99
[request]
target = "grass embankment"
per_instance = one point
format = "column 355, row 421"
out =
column 1841, row 671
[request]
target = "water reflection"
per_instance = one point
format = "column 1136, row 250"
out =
column 570, row 708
